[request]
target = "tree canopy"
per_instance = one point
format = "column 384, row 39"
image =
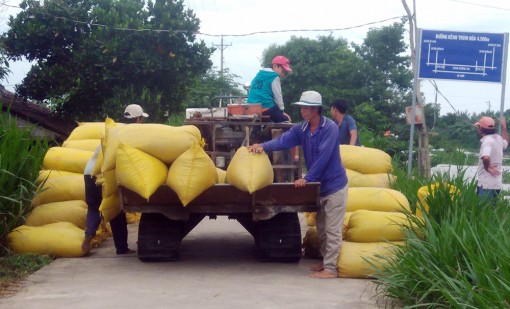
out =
column 375, row 76
column 93, row 57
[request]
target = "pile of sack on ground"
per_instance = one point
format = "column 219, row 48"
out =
column 140, row 157
column 56, row 224
column 374, row 216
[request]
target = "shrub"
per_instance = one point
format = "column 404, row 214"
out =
column 457, row 256
column 21, row 158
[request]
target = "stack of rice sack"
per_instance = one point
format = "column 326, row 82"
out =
column 374, row 217
column 143, row 157
column 56, row 223
column 367, row 167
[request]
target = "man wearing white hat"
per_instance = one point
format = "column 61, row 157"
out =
column 133, row 113
column 318, row 137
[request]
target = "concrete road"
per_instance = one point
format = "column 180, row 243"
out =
column 218, row 269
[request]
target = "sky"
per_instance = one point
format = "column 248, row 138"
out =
column 248, row 27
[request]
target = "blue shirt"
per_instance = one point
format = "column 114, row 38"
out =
column 348, row 124
column 321, row 151
column 260, row 89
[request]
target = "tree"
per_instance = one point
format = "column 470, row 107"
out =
column 375, row 77
column 388, row 76
column 210, row 85
column 326, row 65
column 94, row 56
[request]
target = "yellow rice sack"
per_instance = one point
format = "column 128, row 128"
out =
column 378, row 199
column 110, row 207
column 83, row 144
column 161, row 141
column 60, row 189
column 375, row 226
column 73, row 211
column 355, row 257
column 88, row 130
column 311, row 244
column 109, row 183
column 365, row 160
column 249, row 171
column 139, row 171
column 381, row 180
column 61, row 239
column 425, row 192
column 191, row 174
column 66, row 159
column 222, row 175
column 351, row 173
column 133, row 217
column 46, row 174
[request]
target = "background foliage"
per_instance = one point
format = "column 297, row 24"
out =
column 92, row 57
column 21, row 158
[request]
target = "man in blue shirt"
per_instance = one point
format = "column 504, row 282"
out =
column 266, row 89
column 348, row 131
column 318, row 137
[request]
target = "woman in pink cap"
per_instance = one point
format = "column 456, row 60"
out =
column 266, row 89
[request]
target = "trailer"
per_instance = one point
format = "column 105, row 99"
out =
column 270, row 215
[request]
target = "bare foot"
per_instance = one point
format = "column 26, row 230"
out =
column 324, row 275
column 318, row 267
column 86, row 245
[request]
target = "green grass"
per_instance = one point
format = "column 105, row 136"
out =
column 458, row 256
column 21, row 158
column 15, row 268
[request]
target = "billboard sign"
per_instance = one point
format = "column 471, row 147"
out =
column 465, row 56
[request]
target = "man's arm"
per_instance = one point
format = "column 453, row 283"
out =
column 354, row 137
column 276, row 87
column 486, row 160
column 504, row 131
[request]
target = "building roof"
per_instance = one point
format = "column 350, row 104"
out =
column 43, row 120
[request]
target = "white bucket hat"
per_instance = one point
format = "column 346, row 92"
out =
column 310, row 98
column 134, row 111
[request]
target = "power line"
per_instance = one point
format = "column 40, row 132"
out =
column 304, row 30
column 209, row 34
column 222, row 47
column 482, row 5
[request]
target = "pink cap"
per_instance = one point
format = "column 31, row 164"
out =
column 283, row 61
column 486, row 123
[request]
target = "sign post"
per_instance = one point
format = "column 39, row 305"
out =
column 461, row 56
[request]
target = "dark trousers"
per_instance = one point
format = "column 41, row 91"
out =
column 93, row 198
column 275, row 114
column 488, row 194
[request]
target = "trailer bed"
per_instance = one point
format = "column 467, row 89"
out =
column 225, row 199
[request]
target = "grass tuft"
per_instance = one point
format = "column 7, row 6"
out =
column 456, row 256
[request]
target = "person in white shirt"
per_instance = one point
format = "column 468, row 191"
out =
column 489, row 172
column 133, row 113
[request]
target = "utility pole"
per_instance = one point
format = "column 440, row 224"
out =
column 423, row 139
column 222, row 47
